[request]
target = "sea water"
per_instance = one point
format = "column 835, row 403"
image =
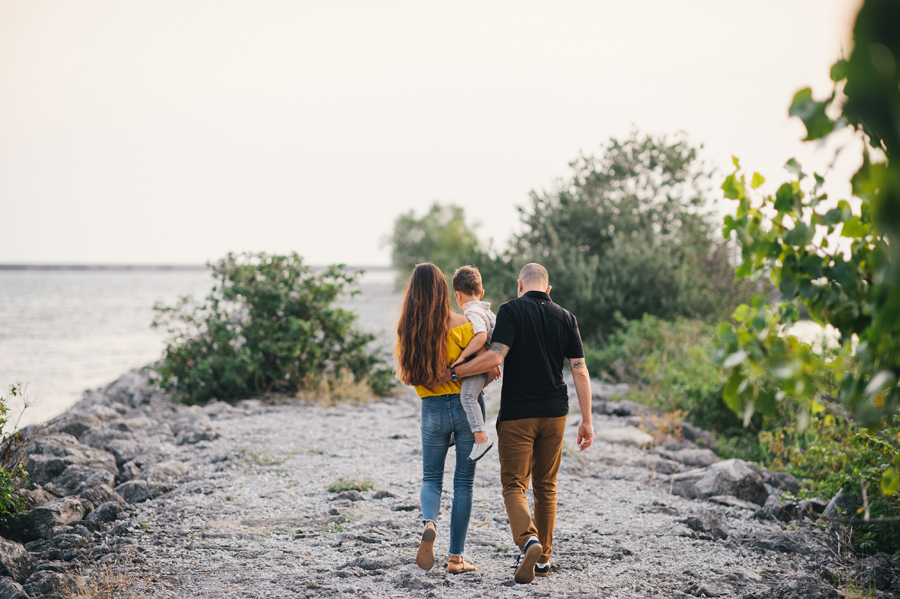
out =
column 65, row 331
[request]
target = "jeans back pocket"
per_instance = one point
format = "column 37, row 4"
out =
column 432, row 420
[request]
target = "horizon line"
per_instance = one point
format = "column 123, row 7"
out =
column 170, row 267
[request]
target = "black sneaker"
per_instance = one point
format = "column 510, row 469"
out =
column 527, row 559
column 542, row 569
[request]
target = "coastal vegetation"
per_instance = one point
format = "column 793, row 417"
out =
column 269, row 325
column 12, row 474
column 839, row 262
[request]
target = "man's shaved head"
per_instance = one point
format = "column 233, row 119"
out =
column 534, row 274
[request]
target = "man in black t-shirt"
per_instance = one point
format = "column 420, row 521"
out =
column 532, row 337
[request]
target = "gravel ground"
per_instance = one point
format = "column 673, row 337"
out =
column 254, row 518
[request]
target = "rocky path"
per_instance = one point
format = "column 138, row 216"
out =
column 136, row 497
column 254, row 518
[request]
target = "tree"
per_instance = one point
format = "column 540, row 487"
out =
column 441, row 236
column 629, row 233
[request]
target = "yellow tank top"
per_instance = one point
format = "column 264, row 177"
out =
column 457, row 339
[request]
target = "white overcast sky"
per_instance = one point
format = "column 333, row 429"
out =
column 176, row 131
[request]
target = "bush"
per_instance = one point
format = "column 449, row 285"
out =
column 667, row 364
column 12, row 474
column 268, row 325
column 834, row 454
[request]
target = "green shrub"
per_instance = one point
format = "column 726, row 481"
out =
column 268, row 325
column 12, row 475
column 667, row 364
column 834, row 454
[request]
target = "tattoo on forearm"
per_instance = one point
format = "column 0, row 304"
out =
column 500, row 349
column 576, row 364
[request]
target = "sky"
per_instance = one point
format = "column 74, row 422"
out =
column 173, row 132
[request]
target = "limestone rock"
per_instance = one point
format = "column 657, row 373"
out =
column 105, row 512
column 773, row 509
column 138, row 491
column 127, row 450
column 76, row 479
column 10, row 589
column 783, row 481
column 733, row 501
column 39, row 522
column 36, row 496
column 48, row 456
column 99, row 495
column 129, row 471
column 780, row 542
column 166, row 471
column 842, row 505
column 697, row 458
column 131, row 389
column 45, row 582
column 875, row 572
column 628, row 435
column 76, row 424
column 15, row 561
column 731, row 477
column 710, row 523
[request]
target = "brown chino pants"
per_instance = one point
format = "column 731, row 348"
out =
column 531, row 448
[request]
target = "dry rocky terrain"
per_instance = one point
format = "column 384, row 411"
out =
column 133, row 493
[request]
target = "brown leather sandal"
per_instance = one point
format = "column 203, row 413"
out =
column 425, row 556
column 458, row 564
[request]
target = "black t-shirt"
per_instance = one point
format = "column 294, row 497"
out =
column 540, row 335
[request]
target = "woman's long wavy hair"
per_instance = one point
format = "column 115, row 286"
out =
column 423, row 325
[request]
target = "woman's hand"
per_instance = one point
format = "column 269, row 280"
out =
column 459, row 361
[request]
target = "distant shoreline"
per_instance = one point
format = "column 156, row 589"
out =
column 149, row 267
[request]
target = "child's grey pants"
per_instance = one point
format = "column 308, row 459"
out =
column 471, row 389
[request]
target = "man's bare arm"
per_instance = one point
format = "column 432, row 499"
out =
column 485, row 362
column 583, row 389
column 489, row 361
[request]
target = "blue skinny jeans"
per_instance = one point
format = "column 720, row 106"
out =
column 441, row 416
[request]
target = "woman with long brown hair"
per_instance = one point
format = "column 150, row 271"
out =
column 429, row 338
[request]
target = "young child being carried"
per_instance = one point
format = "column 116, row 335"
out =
column 468, row 290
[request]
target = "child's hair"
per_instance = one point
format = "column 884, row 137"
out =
column 467, row 280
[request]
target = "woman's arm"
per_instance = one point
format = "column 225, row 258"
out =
column 473, row 346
